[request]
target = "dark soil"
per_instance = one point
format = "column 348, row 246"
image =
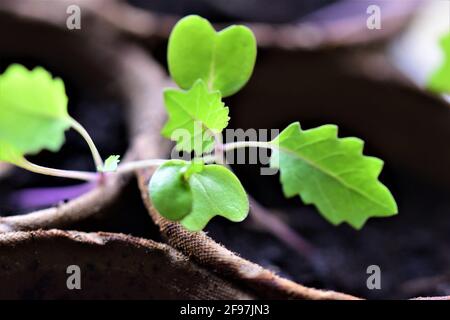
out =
column 412, row 249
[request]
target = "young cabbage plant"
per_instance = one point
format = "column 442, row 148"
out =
column 329, row 172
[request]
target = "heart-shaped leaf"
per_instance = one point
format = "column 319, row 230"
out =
column 169, row 190
column 215, row 191
column 194, row 193
column 33, row 110
column 224, row 60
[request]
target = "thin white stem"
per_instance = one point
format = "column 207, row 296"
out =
column 247, row 144
column 95, row 154
column 218, row 149
column 135, row 165
column 129, row 166
column 143, row 164
column 79, row 175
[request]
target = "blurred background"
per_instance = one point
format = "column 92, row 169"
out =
column 318, row 62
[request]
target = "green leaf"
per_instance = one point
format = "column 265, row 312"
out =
column 9, row 154
column 194, row 193
column 33, row 110
column 195, row 116
column 111, row 164
column 332, row 173
column 215, row 191
column 440, row 80
column 169, row 190
column 224, row 60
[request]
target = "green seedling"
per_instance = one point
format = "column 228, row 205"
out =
column 329, row 172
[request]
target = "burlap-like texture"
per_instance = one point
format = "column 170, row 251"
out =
column 263, row 283
column 113, row 266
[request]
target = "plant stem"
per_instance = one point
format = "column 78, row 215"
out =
column 79, row 175
column 135, row 165
column 95, row 154
column 142, row 164
column 218, row 149
column 247, row 144
column 270, row 222
column 129, row 166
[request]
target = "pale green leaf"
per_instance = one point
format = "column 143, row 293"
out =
column 224, row 60
column 195, row 116
column 215, row 191
column 193, row 193
column 9, row 154
column 169, row 190
column 332, row 173
column 33, row 110
column 111, row 164
column 440, row 79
